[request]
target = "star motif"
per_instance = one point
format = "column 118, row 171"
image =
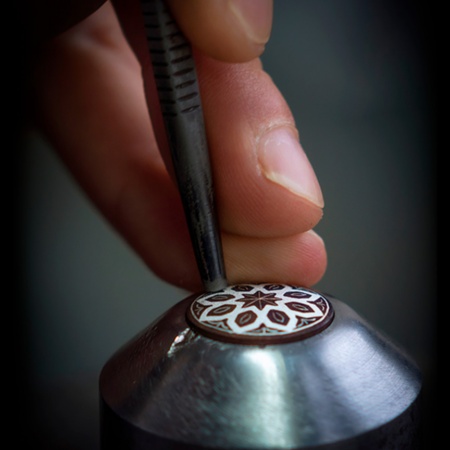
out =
column 258, row 299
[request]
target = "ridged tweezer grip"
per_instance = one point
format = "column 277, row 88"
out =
column 179, row 97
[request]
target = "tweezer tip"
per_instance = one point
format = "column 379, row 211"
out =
column 215, row 285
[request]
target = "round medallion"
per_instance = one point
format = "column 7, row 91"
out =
column 260, row 313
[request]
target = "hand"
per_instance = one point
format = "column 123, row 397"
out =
column 90, row 104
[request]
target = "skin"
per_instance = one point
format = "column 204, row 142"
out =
column 90, row 103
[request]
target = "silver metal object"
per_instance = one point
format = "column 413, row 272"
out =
column 176, row 82
column 346, row 387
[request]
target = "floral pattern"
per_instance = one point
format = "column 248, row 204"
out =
column 255, row 313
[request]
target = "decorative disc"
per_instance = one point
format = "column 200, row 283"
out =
column 260, row 313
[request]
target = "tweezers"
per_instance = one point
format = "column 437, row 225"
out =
column 179, row 98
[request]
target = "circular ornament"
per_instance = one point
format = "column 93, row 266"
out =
column 260, row 313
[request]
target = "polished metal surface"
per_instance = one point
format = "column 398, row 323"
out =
column 171, row 387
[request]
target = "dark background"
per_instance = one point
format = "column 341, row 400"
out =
column 360, row 79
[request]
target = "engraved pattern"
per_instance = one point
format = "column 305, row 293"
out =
column 253, row 312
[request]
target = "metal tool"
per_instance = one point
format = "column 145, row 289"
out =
column 248, row 366
column 179, row 96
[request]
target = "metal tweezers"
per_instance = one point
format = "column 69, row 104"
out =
column 179, row 97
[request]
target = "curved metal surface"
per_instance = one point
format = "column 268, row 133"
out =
column 171, row 386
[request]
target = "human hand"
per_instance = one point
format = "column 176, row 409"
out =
column 90, row 103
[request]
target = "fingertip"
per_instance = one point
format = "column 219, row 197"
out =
column 254, row 19
column 227, row 30
column 283, row 161
column 299, row 260
column 314, row 251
